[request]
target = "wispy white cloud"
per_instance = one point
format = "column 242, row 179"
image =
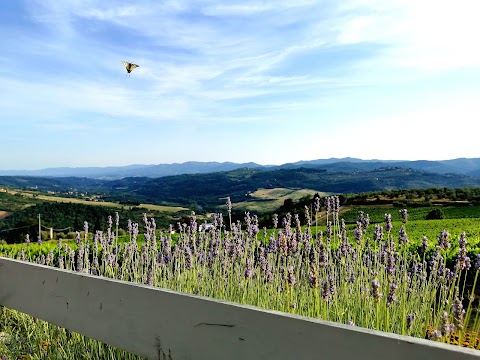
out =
column 236, row 9
column 112, row 14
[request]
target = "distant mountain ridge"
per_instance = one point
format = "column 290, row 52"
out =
column 461, row 166
column 119, row 172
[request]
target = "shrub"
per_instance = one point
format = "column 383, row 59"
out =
column 435, row 214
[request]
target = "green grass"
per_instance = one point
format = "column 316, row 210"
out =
column 25, row 337
column 377, row 214
column 28, row 197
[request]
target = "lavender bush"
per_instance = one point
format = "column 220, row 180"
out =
column 371, row 279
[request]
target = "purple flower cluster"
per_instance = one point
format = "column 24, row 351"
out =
column 410, row 318
column 391, row 298
column 358, row 233
column 328, row 288
column 444, row 240
column 458, row 314
column 378, row 234
column 316, row 204
column 388, row 223
column 313, row 277
column 445, row 327
column 424, row 245
column 463, row 261
column 332, row 205
column 375, row 290
column 402, row 236
column 248, row 269
column 363, row 219
column 291, row 276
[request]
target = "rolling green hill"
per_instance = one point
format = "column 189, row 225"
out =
column 208, row 191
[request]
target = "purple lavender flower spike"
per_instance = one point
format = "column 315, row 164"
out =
column 375, row 290
column 424, row 246
column 313, row 276
column 391, row 294
column 316, row 203
column 188, row 258
column 388, row 223
column 402, row 236
column 404, row 215
column 328, row 288
column 458, row 313
column 378, row 233
column 477, row 263
column 328, row 232
column 410, row 318
column 366, row 221
column 435, row 335
column 445, row 327
column 248, row 269
column 325, row 290
column 229, row 205
column 328, row 205
column 275, row 221
column 291, row 276
column 149, row 280
column 463, row 261
column 307, row 215
column 336, row 202
column 444, row 240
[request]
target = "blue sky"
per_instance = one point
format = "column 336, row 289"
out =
column 263, row 81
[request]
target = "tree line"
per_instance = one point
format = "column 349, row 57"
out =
column 69, row 217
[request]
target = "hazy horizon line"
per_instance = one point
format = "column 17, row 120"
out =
column 224, row 162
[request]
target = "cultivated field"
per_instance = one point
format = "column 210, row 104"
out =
column 61, row 199
column 265, row 200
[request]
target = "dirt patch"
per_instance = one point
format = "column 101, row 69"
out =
column 4, row 214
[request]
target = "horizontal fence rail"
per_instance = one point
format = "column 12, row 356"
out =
column 162, row 324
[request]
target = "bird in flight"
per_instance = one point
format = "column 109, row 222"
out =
column 129, row 66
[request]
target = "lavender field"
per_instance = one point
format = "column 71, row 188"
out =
column 368, row 276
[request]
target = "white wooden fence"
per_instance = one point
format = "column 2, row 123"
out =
column 158, row 323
